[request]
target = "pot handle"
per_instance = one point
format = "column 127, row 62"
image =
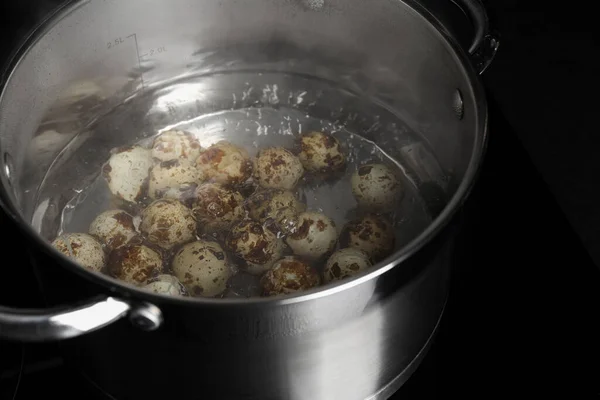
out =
column 485, row 42
column 28, row 325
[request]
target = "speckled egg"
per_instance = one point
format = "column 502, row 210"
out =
column 255, row 244
column 168, row 223
column 376, row 187
column 321, row 153
column 184, row 194
column 216, row 208
column 202, row 268
column 126, row 173
column 225, row 163
column 82, row 248
column 135, row 264
column 289, row 275
column 166, row 284
column 372, row 234
column 345, row 263
column 314, row 236
column 279, row 205
column 171, row 176
column 277, row 167
column 176, row 145
column 114, row 228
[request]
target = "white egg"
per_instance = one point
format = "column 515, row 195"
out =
column 216, row 208
column 175, row 175
column 321, row 153
column 277, row 167
column 202, row 268
column 255, row 244
column 376, row 187
column 289, row 275
column 114, row 228
column 127, row 173
column 168, row 223
column 166, row 284
column 225, row 163
column 135, row 264
column 345, row 263
column 82, row 248
column 176, row 145
column 372, row 234
column 314, row 235
column 279, row 205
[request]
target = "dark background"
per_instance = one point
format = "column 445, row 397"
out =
column 524, row 313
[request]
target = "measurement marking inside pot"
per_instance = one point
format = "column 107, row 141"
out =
column 137, row 51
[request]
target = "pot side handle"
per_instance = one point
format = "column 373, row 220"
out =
column 28, row 325
column 485, row 42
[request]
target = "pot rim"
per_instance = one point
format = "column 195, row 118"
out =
column 394, row 260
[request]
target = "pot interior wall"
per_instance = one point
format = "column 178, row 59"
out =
column 101, row 54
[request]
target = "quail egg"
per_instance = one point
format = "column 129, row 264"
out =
column 225, row 163
column 127, row 173
column 217, row 208
column 314, row 235
column 320, row 152
column 184, row 194
column 345, row 263
column 176, row 145
column 375, row 186
column 175, row 175
column 168, row 223
column 277, row 167
column 82, row 248
column 166, row 284
column 202, row 268
column 371, row 234
column 278, row 205
column 114, row 228
column 255, row 244
column 135, row 264
column 289, row 275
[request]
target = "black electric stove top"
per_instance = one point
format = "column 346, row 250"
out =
column 521, row 318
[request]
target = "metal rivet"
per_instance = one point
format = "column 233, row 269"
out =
column 458, row 104
column 146, row 317
column 8, row 165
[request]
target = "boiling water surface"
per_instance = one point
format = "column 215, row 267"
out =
column 253, row 110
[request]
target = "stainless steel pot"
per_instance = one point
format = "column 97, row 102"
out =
column 355, row 340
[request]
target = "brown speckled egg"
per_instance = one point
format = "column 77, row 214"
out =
column 168, row 223
column 225, row 163
column 289, row 275
column 321, row 153
column 135, row 264
column 126, row 173
column 114, row 228
column 372, row 234
column 376, row 187
column 202, row 268
column 216, row 208
column 345, row 263
column 277, row 167
column 255, row 244
column 176, row 145
column 314, row 236
column 174, row 175
column 279, row 205
column 82, row 248
column 166, row 284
